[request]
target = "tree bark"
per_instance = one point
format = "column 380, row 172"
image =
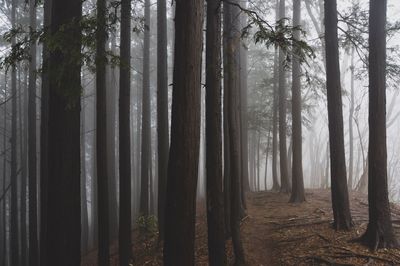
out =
column 180, row 206
column 351, row 113
column 285, row 186
column 340, row 197
column 379, row 232
column 297, row 167
column 101, row 136
column 146, row 133
column 14, row 228
column 63, row 138
column 215, row 199
column 124, row 137
column 162, row 111
column 32, row 160
column 233, row 59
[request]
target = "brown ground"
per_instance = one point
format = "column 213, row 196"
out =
column 278, row 233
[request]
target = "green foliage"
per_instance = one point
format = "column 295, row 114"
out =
column 147, row 224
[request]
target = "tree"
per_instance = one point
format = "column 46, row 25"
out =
column 351, row 114
column 340, row 197
column 146, row 124
column 125, row 136
column 379, row 232
column 215, row 203
column 180, row 208
column 162, row 110
column 32, row 162
column 101, row 136
column 297, row 169
column 285, row 186
column 233, row 33
column 61, row 183
column 14, row 232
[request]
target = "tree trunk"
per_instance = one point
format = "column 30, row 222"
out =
column 185, row 135
column 297, row 167
column 84, row 207
column 379, row 232
column 275, row 183
column 145, row 159
column 63, row 145
column 14, row 232
column 266, row 159
column 101, row 136
column 233, row 45
column 111, row 101
column 215, row 199
column 351, row 113
column 162, row 111
column 32, row 162
column 285, row 186
column 340, row 197
column 125, row 137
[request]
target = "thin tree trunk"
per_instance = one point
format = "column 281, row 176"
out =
column 162, row 111
column 101, row 137
column 84, row 208
column 340, row 197
column 124, row 137
column 298, row 194
column 266, row 159
column 146, row 132
column 285, row 185
column 14, row 232
column 351, row 113
column 32, row 159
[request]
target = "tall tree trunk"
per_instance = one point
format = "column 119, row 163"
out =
column 84, row 207
column 351, row 113
column 125, row 136
column 101, row 136
column 162, row 111
column 44, row 117
column 22, row 110
column 4, row 200
column 297, row 169
column 14, row 232
column 285, row 185
column 215, row 199
column 111, row 101
column 266, row 159
column 258, row 161
column 233, row 59
column 63, row 145
column 379, row 232
column 275, row 183
column 180, row 206
column 32, row 162
column 146, row 131
column 340, row 197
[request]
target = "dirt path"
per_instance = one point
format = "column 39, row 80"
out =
column 276, row 232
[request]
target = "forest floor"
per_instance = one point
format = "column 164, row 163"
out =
column 276, row 232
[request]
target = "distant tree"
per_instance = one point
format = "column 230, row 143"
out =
column 379, row 232
column 32, row 160
column 297, row 169
column 285, row 185
column 340, row 197
column 61, row 183
column 215, row 199
column 162, row 110
column 146, row 123
column 125, row 136
column 180, row 208
column 14, row 227
column 101, row 137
